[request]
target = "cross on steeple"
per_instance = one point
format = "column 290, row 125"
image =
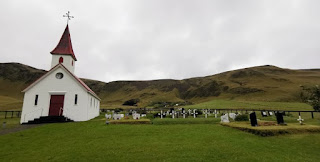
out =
column 68, row 16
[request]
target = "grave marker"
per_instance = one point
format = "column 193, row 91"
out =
column 136, row 116
column 232, row 115
column 253, row 119
column 194, row 113
column 279, row 116
column 264, row 114
column 215, row 113
column 184, row 113
column 206, row 113
column 225, row 118
column 300, row 119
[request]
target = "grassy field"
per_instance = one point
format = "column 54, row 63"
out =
column 234, row 104
column 95, row 141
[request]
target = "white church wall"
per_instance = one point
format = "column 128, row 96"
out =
column 93, row 106
column 67, row 61
column 51, row 85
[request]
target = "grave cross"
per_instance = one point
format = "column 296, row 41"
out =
column 189, row 111
column 215, row 113
column 184, row 114
column 300, row 119
column 161, row 114
column 206, row 112
column 67, row 15
column 194, row 113
column 173, row 113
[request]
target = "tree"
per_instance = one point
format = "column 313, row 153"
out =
column 311, row 95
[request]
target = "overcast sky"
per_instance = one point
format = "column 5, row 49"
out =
column 160, row 39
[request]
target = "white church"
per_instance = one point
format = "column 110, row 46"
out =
column 59, row 94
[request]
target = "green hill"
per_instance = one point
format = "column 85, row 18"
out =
column 261, row 84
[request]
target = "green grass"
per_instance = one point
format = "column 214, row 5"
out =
column 290, row 128
column 234, row 104
column 95, row 141
column 10, row 122
column 166, row 121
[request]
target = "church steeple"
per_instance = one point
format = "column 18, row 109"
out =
column 64, row 46
column 63, row 53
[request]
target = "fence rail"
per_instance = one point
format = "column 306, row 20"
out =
column 11, row 114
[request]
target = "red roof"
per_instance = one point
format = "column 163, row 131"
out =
column 75, row 77
column 64, row 46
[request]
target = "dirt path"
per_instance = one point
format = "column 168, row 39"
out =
column 17, row 129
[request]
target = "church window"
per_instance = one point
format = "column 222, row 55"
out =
column 91, row 102
column 59, row 75
column 36, row 100
column 61, row 60
column 76, row 99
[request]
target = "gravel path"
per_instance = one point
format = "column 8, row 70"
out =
column 17, row 129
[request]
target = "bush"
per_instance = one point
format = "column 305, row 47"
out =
column 242, row 117
column 132, row 102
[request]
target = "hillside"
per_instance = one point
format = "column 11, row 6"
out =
column 262, row 83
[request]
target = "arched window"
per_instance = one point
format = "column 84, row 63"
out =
column 61, row 60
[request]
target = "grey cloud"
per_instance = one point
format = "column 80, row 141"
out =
column 144, row 39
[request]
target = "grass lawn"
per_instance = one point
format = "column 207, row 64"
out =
column 234, row 104
column 95, row 141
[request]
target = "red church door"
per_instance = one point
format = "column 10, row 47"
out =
column 56, row 105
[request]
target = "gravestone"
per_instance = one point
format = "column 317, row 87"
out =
column 117, row 116
column 225, row 118
column 215, row 113
column 206, row 112
column 264, row 114
column 108, row 116
column 189, row 111
column 136, row 116
column 195, row 113
column 172, row 113
column 232, row 115
column 300, row 120
column 270, row 113
column 143, row 115
column 279, row 116
column 253, row 119
column 184, row 114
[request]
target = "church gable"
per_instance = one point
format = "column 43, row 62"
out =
column 60, row 76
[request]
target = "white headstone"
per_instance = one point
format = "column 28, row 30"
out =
column 117, row 116
column 143, row 115
column 136, row 116
column 108, row 116
column 225, row 118
column 215, row 113
column 300, row 120
column 232, row 115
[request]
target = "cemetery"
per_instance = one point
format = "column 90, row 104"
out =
column 259, row 122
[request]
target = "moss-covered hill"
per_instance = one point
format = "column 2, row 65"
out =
column 262, row 83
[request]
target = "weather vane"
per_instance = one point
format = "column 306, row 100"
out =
column 68, row 16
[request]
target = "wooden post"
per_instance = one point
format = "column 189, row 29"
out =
column 11, row 114
column 312, row 115
column 5, row 116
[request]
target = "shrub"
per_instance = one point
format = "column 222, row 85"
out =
column 242, row 117
column 132, row 102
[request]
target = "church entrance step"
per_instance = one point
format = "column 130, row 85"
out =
column 49, row 119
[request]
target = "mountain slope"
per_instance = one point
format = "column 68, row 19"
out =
column 262, row 83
